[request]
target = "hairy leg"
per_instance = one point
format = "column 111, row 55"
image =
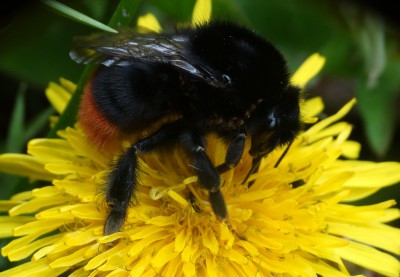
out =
column 122, row 180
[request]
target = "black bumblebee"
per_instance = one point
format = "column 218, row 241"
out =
column 217, row 78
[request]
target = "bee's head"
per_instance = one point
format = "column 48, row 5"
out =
column 257, row 81
column 277, row 125
column 239, row 57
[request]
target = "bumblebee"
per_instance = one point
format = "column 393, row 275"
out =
column 218, row 78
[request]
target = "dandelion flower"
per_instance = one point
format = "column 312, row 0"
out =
column 305, row 230
column 280, row 226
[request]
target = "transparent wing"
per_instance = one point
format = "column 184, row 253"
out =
column 127, row 46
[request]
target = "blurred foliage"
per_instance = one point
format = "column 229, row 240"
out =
column 360, row 45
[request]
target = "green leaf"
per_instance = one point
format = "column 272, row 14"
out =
column 377, row 106
column 125, row 13
column 372, row 42
column 77, row 16
column 38, row 123
column 18, row 133
column 68, row 117
column 17, row 137
column 36, row 57
column 14, row 140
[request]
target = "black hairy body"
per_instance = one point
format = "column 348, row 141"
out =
column 218, row 78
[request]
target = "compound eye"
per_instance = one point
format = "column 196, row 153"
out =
column 226, row 79
column 273, row 121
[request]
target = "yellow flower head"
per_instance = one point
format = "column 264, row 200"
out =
column 295, row 220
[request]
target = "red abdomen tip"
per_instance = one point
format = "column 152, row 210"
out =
column 98, row 129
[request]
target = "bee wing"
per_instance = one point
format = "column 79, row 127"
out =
column 109, row 48
column 126, row 47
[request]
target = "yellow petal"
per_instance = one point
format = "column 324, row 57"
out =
column 149, row 22
column 70, row 168
column 250, row 248
column 75, row 188
column 189, row 251
column 332, row 130
column 143, row 244
column 164, row 255
column 17, row 243
column 6, row 205
column 44, row 149
column 24, row 165
column 79, row 238
column 161, row 221
column 103, row 257
column 320, row 267
column 40, row 203
column 226, row 236
column 370, row 258
column 315, row 129
column 201, row 12
column 253, row 196
column 42, row 226
column 68, row 85
column 47, row 191
column 9, row 223
column 308, row 70
column 141, row 266
column 173, row 268
column 368, row 174
column 26, row 250
column 33, row 268
column 360, row 214
column 22, row 196
column 79, row 273
column 189, row 269
column 70, row 260
column 181, row 241
column 179, row 199
column 351, row 149
column 212, row 267
column 210, row 241
column 359, row 193
column 233, row 255
column 58, row 96
column 312, row 107
column 385, row 237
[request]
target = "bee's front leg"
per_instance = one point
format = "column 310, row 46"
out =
column 234, row 152
column 207, row 174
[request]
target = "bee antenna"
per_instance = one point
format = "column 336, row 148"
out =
column 254, row 167
column 257, row 160
column 283, row 154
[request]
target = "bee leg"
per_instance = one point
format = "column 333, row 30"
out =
column 195, row 145
column 193, row 201
column 234, row 153
column 121, row 185
column 232, row 157
column 207, row 174
column 123, row 178
column 218, row 205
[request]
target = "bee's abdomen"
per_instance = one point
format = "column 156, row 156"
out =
column 131, row 96
column 98, row 129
